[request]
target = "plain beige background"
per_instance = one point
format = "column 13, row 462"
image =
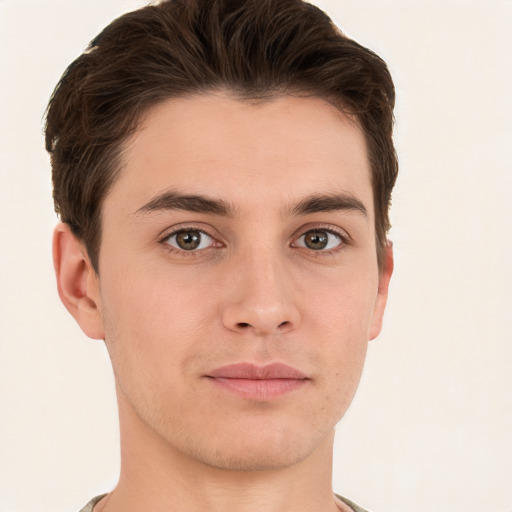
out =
column 431, row 426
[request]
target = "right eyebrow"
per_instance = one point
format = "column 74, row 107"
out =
column 173, row 200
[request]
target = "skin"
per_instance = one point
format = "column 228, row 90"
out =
column 252, row 292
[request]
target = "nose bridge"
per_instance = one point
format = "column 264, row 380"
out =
column 261, row 297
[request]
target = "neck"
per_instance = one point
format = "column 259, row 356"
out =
column 157, row 477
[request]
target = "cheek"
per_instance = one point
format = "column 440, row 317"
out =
column 343, row 367
column 343, row 318
column 344, row 308
column 151, row 324
column 345, row 346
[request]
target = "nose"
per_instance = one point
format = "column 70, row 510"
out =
column 260, row 297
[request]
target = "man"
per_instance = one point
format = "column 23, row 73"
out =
column 223, row 171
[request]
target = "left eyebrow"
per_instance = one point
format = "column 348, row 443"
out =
column 329, row 203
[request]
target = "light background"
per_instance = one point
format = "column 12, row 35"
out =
column 431, row 426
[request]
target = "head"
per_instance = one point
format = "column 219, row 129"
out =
column 225, row 170
column 255, row 49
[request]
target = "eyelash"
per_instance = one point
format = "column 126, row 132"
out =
column 344, row 240
column 183, row 252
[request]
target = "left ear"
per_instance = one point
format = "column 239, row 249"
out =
column 382, row 293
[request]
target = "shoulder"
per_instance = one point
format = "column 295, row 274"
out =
column 89, row 507
column 351, row 504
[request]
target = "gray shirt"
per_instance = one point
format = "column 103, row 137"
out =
column 355, row 508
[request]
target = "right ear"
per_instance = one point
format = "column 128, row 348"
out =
column 77, row 281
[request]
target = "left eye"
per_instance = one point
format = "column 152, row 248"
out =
column 319, row 240
column 190, row 240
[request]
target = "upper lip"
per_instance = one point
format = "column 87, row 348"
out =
column 255, row 372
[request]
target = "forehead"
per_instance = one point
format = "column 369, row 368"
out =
column 272, row 151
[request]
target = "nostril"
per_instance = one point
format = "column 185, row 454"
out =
column 283, row 324
column 243, row 325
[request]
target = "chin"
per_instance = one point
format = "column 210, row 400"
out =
column 252, row 458
column 254, row 449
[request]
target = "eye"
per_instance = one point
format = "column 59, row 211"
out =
column 319, row 240
column 189, row 240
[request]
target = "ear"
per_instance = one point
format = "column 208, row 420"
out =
column 382, row 293
column 77, row 282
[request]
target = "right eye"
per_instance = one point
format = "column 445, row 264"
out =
column 189, row 240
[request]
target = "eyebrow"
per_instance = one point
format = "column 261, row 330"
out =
column 328, row 203
column 174, row 200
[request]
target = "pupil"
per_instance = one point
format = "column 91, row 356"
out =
column 316, row 240
column 188, row 240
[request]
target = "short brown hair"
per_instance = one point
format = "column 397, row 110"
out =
column 256, row 49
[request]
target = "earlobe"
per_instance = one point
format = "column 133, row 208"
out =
column 77, row 282
column 382, row 293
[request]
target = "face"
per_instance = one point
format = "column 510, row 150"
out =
column 238, row 283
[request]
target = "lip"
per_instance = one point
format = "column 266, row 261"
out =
column 255, row 382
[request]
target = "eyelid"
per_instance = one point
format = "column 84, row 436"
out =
column 329, row 228
column 186, row 226
column 204, row 238
column 164, row 236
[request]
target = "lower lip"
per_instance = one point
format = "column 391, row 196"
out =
column 259, row 389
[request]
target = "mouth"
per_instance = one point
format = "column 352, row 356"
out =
column 262, row 383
